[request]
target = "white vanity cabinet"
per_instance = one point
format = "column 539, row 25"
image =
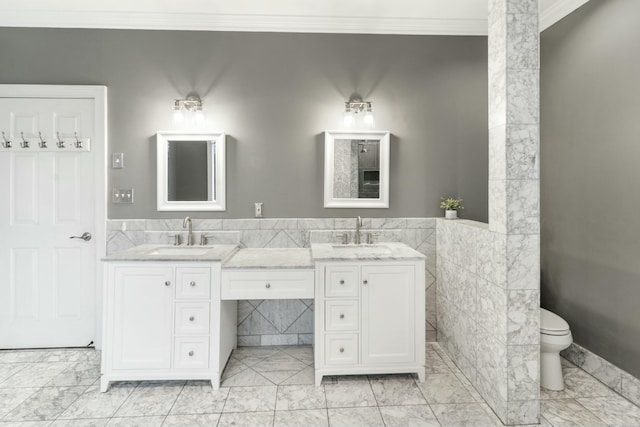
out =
column 165, row 321
column 369, row 318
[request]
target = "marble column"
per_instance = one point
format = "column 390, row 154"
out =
column 514, row 201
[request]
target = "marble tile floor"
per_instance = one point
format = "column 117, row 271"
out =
column 273, row 386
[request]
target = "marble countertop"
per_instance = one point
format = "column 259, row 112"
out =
column 174, row 253
column 378, row 252
column 270, row 258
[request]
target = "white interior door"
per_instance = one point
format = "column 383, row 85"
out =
column 47, row 279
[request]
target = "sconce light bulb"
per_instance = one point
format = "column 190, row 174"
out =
column 368, row 119
column 348, row 119
column 178, row 117
column 199, row 116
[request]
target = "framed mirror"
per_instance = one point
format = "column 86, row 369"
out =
column 356, row 169
column 191, row 171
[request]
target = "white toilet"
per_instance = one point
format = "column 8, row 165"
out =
column 555, row 336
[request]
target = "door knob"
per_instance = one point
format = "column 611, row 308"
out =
column 86, row 236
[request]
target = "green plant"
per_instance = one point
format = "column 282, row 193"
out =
column 451, row 204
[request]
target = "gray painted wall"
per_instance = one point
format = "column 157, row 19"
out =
column 274, row 95
column 590, row 187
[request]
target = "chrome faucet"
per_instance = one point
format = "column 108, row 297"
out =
column 187, row 221
column 358, row 225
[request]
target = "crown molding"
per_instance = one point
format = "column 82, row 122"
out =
column 266, row 23
column 557, row 11
column 242, row 22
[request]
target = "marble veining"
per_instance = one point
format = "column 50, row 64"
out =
column 414, row 415
column 147, row 253
column 270, row 258
column 356, row 417
column 377, row 252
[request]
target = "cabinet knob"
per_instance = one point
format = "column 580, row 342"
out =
column 267, row 285
column 191, row 353
column 167, row 283
column 365, row 281
column 191, row 318
column 341, row 316
column 192, row 283
column 341, row 349
column 342, row 282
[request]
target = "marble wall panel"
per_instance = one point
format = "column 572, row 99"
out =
column 491, row 395
column 498, row 153
column 523, row 317
column 492, row 258
column 522, row 41
column 523, row 207
column 522, row 153
column 492, row 310
column 492, row 361
column 523, row 372
column 523, row 261
column 498, row 206
column 523, row 412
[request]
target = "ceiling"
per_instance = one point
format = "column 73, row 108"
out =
column 448, row 17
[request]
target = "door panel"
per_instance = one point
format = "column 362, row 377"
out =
column 66, row 189
column 24, row 283
column 67, row 283
column 23, row 176
column 388, row 314
column 47, row 280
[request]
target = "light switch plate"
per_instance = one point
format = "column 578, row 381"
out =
column 257, row 209
column 117, row 160
column 122, row 195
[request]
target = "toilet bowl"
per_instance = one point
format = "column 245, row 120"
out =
column 555, row 336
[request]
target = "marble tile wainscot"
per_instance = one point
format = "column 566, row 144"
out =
column 609, row 374
column 285, row 322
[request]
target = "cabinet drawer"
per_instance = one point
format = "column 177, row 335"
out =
column 193, row 282
column 341, row 281
column 191, row 353
column 267, row 284
column 341, row 315
column 192, row 318
column 341, row 349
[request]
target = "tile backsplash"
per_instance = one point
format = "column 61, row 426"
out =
column 285, row 322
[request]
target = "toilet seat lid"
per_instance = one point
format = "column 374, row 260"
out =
column 552, row 324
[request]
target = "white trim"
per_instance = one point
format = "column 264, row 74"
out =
column 241, row 22
column 329, row 200
column 557, row 11
column 99, row 146
column 163, row 203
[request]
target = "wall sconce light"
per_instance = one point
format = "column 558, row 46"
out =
column 191, row 104
column 353, row 107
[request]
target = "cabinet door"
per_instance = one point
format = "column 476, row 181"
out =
column 388, row 314
column 142, row 317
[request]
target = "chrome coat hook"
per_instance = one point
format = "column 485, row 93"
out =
column 6, row 143
column 78, row 142
column 43, row 142
column 60, row 142
column 24, row 143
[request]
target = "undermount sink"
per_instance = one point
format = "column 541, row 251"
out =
column 180, row 250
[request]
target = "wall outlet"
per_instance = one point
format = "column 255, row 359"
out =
column 122, row 195
column 257, row 210
column 117, row 161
